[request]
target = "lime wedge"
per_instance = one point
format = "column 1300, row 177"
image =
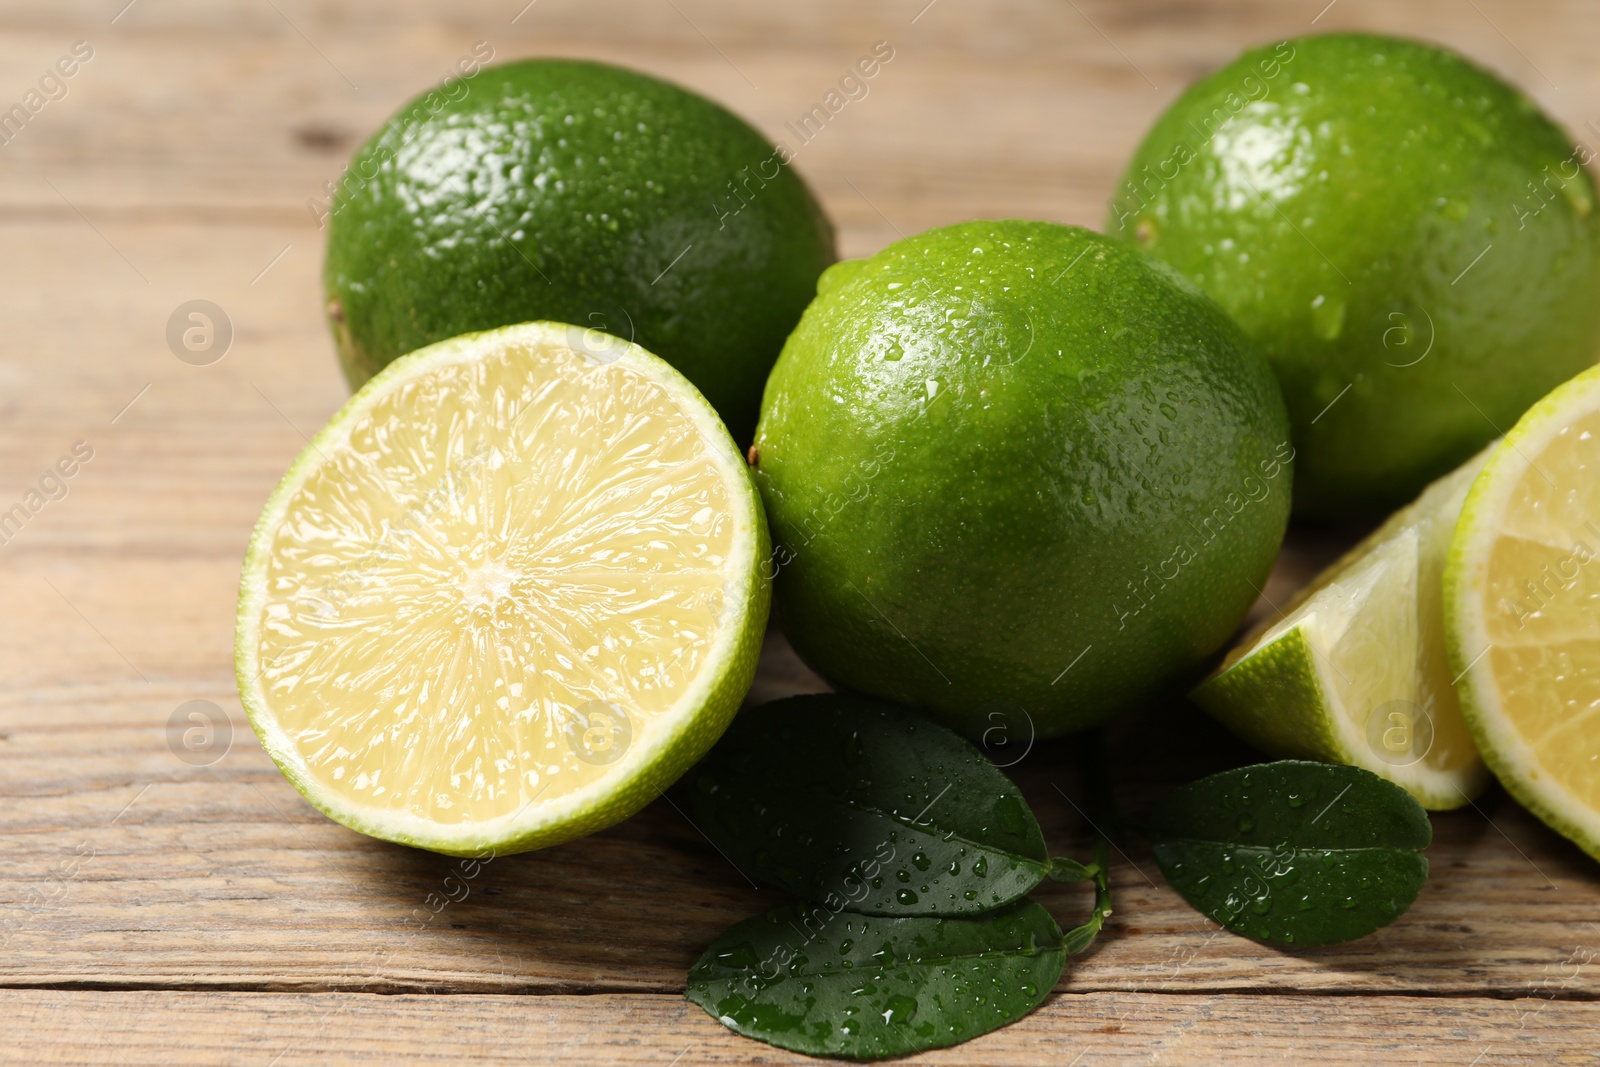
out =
column 1520, row 593
column 509, row 593
column 1354, row 669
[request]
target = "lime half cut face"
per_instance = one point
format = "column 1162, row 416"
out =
column 1521, row 590
column 509, row 593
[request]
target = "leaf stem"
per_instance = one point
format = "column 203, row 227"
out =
column 1094, row 760
column 1079, row 937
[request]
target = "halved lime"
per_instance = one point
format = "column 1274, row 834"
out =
column 1354, row 671
column 1519, row 594
column 508, row 594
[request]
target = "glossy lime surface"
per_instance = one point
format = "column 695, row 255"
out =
column 1017, row 466
column 580, row 193
column 1410, row 240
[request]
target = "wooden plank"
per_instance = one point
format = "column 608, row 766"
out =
column 127, row 867
column 1015, row 107
column 179, row 165
column 220, row 876
column 176, row 1029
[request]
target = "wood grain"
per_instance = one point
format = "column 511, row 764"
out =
column 1092, row 1030
column 130, row 869
column 154, row 911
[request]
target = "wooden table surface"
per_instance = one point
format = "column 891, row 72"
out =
column 161, row 911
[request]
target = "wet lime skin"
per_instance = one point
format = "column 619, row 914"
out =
column 581, row 193
column 1410, row 240
column 1017, row 465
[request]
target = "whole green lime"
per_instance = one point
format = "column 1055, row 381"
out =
column 1411, row 242
column 1017, row 467
column 579, row 193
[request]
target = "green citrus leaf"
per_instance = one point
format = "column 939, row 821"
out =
column 865, row 806
column 864, row 987
column 1293, row 852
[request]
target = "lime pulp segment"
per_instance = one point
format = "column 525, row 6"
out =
column 1355, row 670
column 500, row 583
column 1521, row 589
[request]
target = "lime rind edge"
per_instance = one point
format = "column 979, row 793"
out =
column 608, row 800
column 1503, row 749
column 1254, row 681
column 1334, row 739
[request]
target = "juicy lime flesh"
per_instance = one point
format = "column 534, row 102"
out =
column 1356, row 670
column 1395, row 651
column 464, row 614
column 1412, row 243
column 1365, row 670
column 1390, row 659
column 1542, row 581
